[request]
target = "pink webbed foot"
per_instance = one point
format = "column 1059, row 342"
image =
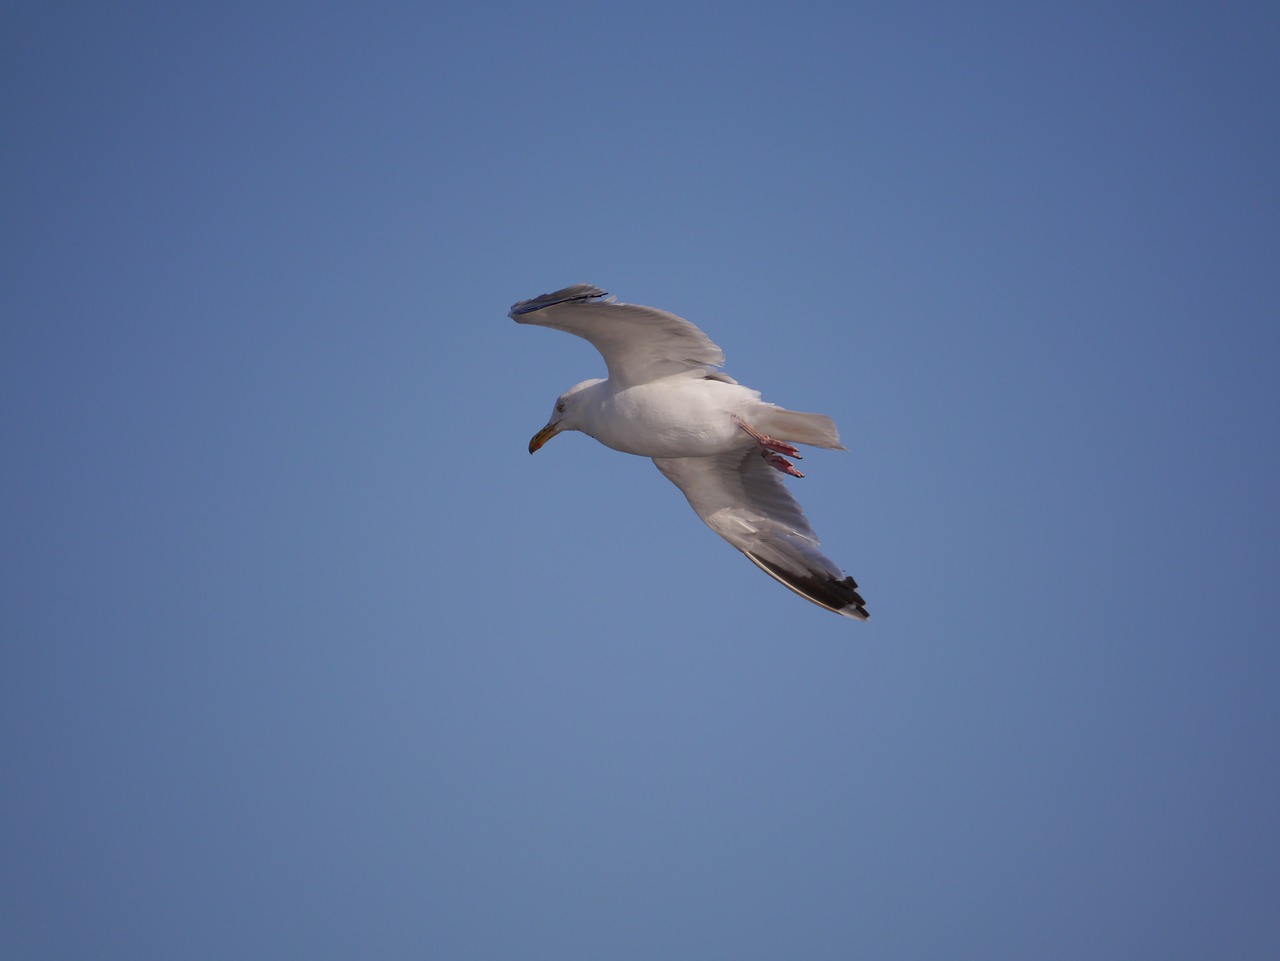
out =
column 770, row 449
column 768, row 443
column 778, row 462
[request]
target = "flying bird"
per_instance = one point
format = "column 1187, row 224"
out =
column 713, row 438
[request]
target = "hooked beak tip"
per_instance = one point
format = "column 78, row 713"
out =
column 542, row 436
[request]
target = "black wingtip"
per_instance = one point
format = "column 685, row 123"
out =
column 580, row 293
column 835, row 594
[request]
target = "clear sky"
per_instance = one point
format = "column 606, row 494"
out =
column 305, row 657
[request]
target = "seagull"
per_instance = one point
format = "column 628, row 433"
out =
column 715, row 439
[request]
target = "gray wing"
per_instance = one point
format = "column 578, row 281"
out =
column 744, row 500
column 639, row 344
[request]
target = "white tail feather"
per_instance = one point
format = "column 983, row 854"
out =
column 816, row 430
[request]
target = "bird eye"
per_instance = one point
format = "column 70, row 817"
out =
column 559, row 407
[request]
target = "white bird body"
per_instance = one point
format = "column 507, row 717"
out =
column 678, row 416
column 713, row 438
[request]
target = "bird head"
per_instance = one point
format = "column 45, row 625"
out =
column 566, row 415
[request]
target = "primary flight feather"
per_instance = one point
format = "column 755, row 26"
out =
column 716, row 440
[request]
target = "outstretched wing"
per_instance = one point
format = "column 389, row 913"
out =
column 639, row 344
column 744, row 500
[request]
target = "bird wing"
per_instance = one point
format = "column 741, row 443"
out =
column 744, row 500
column 639, row 344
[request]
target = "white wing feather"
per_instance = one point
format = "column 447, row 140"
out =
column 744, row 500
column 639, row 344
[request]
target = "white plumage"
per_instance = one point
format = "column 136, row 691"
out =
column 712, row 437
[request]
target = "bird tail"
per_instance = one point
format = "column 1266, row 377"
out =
column 816, row 430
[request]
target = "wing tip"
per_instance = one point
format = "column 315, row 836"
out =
column 840, row 596
column 578, row 293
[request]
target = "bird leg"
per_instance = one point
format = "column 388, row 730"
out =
column 771, row 450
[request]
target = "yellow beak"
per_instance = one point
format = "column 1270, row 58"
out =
column 542, row 436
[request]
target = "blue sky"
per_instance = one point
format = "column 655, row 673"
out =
column 305, row 657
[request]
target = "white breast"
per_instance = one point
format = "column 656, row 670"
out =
column 672, row 417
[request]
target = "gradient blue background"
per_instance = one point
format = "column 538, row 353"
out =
column 305, row 657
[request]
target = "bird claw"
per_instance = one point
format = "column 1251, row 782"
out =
column 770, row 449
column 782, row 448
column 778, row 462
